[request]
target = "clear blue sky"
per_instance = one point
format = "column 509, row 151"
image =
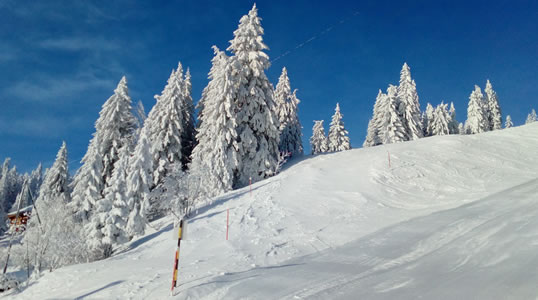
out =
column 60, row 60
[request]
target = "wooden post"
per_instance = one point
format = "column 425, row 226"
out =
column 176, row 259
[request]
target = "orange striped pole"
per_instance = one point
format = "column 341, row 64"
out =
column 176, row 260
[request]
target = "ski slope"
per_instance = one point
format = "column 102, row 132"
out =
column 453, row 217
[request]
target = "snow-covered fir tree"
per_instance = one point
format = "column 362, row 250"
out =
column 428, row 120
column 338, row 139
column 461, row 128
column 215, row 157
column 494, row 110
column 115, row 127
column 477, row 120
column 375, row 123
column 217, row 64
column 392, row 128
column 165, row 126
column 110, row 215
column 36, row 179
column 188, row 138
column 409, row 106
column 54, row 239
column 286, row 107
column 257, row 124
column 508, row 123
column 138, row 186
column 318, row 141
column 453, row 125
column 531, row 117
column 441, row 120
column 140, row 114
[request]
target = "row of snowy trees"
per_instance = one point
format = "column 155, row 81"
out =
column 337, row 140
column 137, row 169
column 397, row 116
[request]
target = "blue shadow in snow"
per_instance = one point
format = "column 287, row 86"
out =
column 99, row 289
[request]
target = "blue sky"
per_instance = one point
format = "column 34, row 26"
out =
column 60, row 60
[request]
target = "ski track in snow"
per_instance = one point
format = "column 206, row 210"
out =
column 454, row 217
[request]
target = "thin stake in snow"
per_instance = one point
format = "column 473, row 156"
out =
column 250, row 185
column 176, row 260
column 227, row 222
column 388, row 153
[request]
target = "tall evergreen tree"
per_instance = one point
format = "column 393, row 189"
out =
column 375, row 124
column 217, row 64
column 111, row 213
column 257, row 124
column 477, row 120
column 318, row 141
column 392, row 129
column 54, row 239
column 441, row 120
column 215, row 156
column 508, row 122
column 188, row 139
column 165, row 127
column 114, row 128
column 138, row 182
column 494, row 110
column 409, row 106
column 286, row 107
column 429, row 116
column 338, row 139
column 531, row 117
column 453, row 124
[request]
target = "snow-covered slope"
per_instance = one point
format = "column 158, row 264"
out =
column 452, row 217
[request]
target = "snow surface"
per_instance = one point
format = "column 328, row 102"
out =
column 453, row 217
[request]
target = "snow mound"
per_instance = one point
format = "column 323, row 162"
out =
column 451, row 217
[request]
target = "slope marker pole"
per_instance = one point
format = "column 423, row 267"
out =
column 176, row 259
column 227, row 222
column 389, row 157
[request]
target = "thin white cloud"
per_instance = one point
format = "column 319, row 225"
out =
column 40, row 126
column 58, row 89
column 77, row 43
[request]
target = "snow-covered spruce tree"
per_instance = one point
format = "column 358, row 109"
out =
column 453, row 124
column 477, row 120
column 53, row 237
column 338, row 139
column 188, row 140
column 257, row 124
column 531, row 117
column 140, row 114
column 441, row 120
column 36, row 179
column 392, row 128
column 318, row 141
column 109, row 219
column 286, row 107
column 494, row 110
column 409, row 107
column 508, row 122
column 217, row 64
column 215, row 157
column 138, row 182
column 115, row 127
column 372, row 134
column 461, row 128
column 164, row 126
column 428, row 117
